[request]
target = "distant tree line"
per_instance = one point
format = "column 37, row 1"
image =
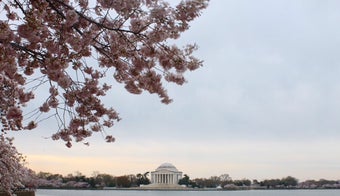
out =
column 225, row 181
column 96, row 181
column 99, row 181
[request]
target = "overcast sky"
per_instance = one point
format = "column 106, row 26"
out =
column 266, row 104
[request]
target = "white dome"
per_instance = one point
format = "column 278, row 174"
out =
column 167, row 166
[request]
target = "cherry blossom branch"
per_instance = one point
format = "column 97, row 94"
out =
column 54, row 39
column 20, row 7
column 33, row 53
column 101, row 25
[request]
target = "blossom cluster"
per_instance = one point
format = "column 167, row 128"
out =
column 48, row 44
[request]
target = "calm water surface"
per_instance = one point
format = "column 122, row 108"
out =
column 42, row 192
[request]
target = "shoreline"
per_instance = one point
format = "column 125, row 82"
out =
column 183, row 189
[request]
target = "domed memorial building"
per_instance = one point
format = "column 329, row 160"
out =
column 166, row 176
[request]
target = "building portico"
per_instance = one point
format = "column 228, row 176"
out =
column 165, row 178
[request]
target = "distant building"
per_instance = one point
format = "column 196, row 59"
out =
column 166, row 176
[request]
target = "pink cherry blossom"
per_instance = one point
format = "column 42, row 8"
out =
column 13, row 173
column 14, row 113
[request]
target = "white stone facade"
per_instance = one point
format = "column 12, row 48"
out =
column 166, row 174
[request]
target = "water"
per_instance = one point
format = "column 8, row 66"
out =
column 42, row 192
